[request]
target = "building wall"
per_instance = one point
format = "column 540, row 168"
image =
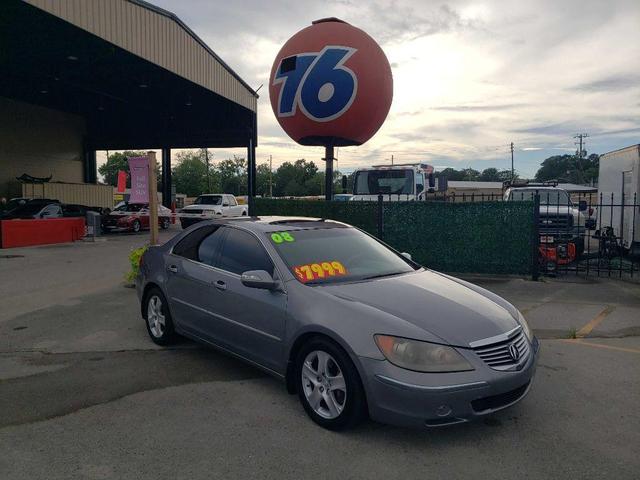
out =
column 40, row 142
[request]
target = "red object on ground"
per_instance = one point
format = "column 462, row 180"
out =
column 24, row 233
column 122, row 181
column 551, row 254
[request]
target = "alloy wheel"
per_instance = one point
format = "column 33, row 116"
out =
column 323, row 384
column 155, row 317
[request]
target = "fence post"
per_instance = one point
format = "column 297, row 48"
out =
column 380, row 217
column 535, row 240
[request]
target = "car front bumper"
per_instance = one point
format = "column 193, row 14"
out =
column 412, row 399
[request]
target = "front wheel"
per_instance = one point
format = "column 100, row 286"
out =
column 164, row 223
column 329, row 386
column 136, row 226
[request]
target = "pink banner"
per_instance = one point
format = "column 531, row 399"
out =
column 139, row 171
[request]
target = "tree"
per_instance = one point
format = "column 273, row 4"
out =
column 452, row 174
column 190, row 175
column 233, row 175
column 292, row 178
column 490, row 175
column 115, row 162
column 569, row 168
column 263, row 175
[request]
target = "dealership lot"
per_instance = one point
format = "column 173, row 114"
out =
column 84, row 392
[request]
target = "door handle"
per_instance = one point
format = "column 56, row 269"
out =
column 172, row 269
column 220, row 285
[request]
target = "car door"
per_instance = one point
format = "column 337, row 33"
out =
column 144, row 217
column 190, row 278
column 254, row 319
column 234, row 209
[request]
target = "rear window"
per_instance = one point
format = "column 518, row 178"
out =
column 333, row 255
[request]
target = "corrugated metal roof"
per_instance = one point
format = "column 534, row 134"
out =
column 157, row 36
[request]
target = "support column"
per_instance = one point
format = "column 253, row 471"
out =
column 89, row 167
column 166, row 177
column 328, row 175
column 251, row 165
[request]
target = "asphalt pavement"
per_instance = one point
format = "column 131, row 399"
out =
column 85, row 394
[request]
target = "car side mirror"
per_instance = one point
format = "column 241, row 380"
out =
column 258, row 279
column 406, row 255
column 582, row 205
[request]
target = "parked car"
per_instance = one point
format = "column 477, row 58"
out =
column 351, row 325
column 13, row 203
column 34, row 208
column 133, row 217
column 75, row 210
column 210, row 206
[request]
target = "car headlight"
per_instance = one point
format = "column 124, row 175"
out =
column 525, row 326
column 421, row 356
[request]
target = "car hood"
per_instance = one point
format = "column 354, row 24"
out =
column 438, row 304
column 202, row 207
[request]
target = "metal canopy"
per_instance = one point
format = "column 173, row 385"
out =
column 128, row 102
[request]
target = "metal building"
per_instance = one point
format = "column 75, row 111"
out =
column 78, row 76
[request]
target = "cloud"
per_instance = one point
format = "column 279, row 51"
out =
column 478, row 108
column 611, row 83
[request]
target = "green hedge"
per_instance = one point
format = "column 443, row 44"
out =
column 479, row 237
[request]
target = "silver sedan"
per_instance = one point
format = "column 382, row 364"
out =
column 353, row 327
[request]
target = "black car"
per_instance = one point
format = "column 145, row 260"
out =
column 35, row 208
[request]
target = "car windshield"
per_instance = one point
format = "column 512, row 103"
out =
column 547, row 197
column 374, row 182
column 130, row 207
column 333, row 255
column 208, row 200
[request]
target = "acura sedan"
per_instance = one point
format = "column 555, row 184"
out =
column 353, row 327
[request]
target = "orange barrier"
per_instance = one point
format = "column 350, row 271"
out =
column 23, row 233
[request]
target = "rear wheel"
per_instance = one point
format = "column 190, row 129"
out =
column 136, row 226
column 329, row 386
column 158, row 318
column 164, row 223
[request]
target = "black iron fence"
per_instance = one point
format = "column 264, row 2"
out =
column 587, row 234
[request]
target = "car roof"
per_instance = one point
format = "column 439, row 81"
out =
column 279, row 223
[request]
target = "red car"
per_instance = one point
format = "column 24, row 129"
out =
column 133, row 217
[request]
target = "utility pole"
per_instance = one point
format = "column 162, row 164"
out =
column 512, row 171
column 206, row 156
column 580, row 137
column 392, row 159
column 270, row 176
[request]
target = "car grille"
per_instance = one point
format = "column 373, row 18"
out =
column 193, row 210
column 555, row 222
column 497, row 354
column 498, row 401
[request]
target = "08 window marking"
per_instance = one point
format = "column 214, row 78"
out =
column 302, row 85
column 280, row 237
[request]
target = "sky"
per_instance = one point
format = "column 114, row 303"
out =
column 469, row 77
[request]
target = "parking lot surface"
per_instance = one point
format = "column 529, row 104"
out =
column 85, row 394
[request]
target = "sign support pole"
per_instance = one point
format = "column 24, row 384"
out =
column 153, row 198
column 328, row 175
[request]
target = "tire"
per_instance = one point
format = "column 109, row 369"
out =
column 158, row 318
column 164, row 224
column 335, row 408
column 135, row 226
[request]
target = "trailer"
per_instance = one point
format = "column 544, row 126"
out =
column 619, row 197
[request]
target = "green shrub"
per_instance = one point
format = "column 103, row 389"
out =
column 134, row 259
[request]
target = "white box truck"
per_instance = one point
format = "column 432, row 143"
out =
column 619, row 189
